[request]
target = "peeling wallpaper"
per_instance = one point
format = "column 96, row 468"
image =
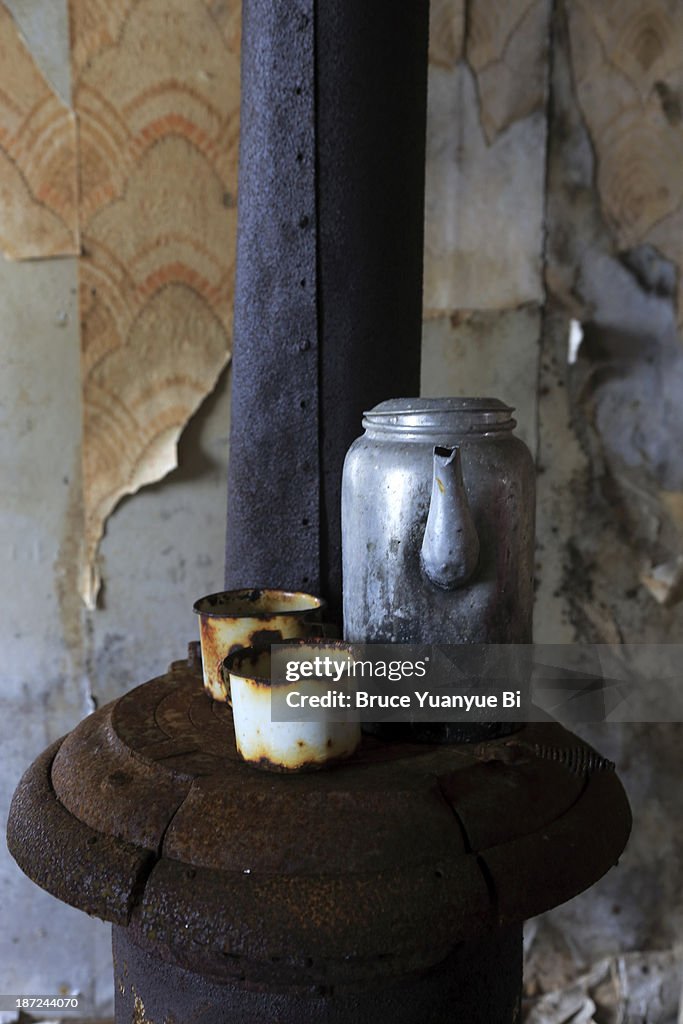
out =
column 628, row 71
column 553, row 210
column 156, row 91
column 155, row 87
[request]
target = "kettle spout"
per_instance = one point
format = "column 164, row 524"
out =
column 450, row 546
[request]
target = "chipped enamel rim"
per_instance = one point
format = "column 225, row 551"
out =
column 257, row 603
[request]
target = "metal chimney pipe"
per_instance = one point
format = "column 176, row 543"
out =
column 329, row 268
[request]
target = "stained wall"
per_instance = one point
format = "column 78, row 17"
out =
column 555, row 129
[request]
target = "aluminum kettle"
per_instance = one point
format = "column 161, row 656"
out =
column 438, row 502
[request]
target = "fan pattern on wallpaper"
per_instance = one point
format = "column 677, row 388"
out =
column 38, row 177
column 156, row 93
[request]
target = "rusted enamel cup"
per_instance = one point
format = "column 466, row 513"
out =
column 256, row 617
column 289, row 746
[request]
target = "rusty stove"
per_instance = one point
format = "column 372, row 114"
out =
column 394, row 886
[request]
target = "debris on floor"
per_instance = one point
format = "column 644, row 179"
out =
column 632, row 988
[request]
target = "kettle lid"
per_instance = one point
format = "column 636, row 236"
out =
column 440, row 415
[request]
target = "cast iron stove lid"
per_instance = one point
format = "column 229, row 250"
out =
column 144, row 816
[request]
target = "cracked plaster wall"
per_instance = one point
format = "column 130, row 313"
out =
column 162, row 549
column 520, row 241
column 610, row 454
column 598, row 150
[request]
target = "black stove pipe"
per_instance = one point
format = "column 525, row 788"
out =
column 329, row 268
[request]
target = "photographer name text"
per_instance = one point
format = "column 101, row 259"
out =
column 362, row 699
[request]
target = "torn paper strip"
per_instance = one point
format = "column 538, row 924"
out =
column 629, row 80
column 507, row 48
column 156, row 90
column 484, row 204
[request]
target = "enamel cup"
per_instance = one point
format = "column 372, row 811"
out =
column 256, row 617
column 290, row 746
